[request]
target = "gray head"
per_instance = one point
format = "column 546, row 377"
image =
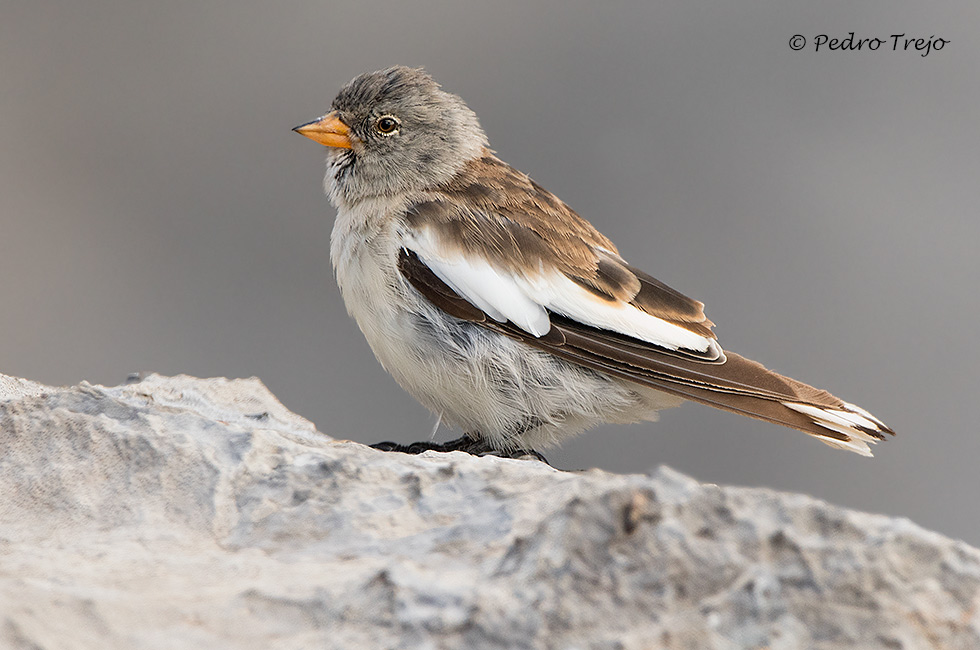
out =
column 394, row 132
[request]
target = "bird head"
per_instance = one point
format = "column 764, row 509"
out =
column 394, row 132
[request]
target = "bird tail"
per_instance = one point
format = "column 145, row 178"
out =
column 746, row 387
column 737, row 384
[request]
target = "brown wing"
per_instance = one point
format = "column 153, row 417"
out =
column 492, row 211
column 739, row 384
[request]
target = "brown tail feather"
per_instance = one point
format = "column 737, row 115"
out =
column 759, row 393
column 739, row 385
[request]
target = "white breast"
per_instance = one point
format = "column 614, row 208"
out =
column 363, row 249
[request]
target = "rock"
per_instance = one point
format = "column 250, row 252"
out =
column 200, row 513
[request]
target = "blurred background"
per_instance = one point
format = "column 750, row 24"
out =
column 156, row 212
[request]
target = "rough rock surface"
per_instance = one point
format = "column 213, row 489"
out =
column 186, row 513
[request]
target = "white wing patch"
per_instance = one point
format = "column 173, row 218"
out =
column 495, row 293
column 559, row 294
column 525, row 299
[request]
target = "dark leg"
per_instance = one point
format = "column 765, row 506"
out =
column 465, row 443
column 470, row 445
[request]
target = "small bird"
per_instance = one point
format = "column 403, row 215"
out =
column 502, row 310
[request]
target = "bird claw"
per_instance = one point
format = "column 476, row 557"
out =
column 464, row 444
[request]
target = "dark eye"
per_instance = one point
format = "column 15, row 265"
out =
column 387, row 124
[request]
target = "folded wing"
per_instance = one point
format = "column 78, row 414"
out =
column 730, row 382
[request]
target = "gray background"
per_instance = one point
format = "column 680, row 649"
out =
column 157, row 214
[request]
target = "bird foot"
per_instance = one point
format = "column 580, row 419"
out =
column 465, row 444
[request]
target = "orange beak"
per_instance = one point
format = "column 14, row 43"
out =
column 327, row 130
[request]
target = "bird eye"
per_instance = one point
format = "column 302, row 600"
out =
column 387, row 124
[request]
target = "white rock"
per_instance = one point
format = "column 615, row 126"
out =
column 190, row 513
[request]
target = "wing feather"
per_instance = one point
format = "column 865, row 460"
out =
column 491, row 211
column 737, row 384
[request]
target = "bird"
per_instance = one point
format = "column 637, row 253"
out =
column 499, row 308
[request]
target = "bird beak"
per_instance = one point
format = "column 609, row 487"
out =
column 327, row 130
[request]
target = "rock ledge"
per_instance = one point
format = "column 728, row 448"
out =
column 192, row 513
